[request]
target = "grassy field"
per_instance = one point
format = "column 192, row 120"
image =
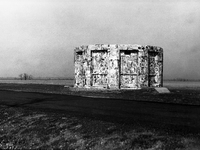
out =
column 41, row 81
column 24, row 128
column 70, row 82
column 182, row 84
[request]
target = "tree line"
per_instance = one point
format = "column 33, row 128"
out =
column 25, row 76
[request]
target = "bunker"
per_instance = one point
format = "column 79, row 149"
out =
column 118, row 66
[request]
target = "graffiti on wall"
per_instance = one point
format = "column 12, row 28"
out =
column 99, row 62
column 155, row 67
column 99, row 68
column 129, row 69
column 118, row 66
column 79, row 70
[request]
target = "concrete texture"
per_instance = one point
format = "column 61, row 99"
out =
column 162, row 90
column 118, row 66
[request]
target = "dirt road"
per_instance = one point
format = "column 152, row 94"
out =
column 180, row 117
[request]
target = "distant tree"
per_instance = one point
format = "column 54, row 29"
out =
column 21, row 76
column 30, row 77
column 25, row 76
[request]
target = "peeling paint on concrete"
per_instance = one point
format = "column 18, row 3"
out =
column 121, row 66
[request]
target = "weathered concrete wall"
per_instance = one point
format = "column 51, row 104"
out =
column 118, row 66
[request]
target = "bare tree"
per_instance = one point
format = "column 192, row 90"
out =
column 30, row 77
column 21, row 76
column 25, row 76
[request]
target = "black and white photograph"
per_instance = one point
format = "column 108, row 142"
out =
column 100, row 74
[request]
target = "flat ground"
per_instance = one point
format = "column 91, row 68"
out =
column 50, row 116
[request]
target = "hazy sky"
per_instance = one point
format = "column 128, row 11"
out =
column 38, row 36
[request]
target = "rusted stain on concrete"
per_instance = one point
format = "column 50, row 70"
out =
column 118, row 66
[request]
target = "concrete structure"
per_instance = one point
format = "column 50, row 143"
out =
column 118, row 66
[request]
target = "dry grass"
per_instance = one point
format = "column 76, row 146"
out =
column 23, row 128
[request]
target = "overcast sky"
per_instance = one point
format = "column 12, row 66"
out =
column 38, row 36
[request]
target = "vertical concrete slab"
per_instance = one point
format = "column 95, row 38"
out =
column 99, row 68
column 155, row 66
column 113, row 67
